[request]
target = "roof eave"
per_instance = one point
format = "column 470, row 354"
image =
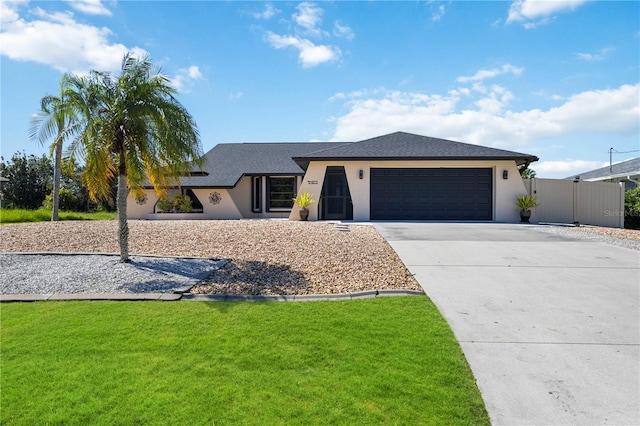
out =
column 304, row 161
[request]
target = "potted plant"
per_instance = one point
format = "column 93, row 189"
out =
column 303, row 201
column 526, row 203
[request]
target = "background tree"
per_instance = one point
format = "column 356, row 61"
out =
column 135, row 128
column 29, row 180
column 56, row 119
column 526, row 172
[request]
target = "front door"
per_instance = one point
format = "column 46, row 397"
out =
column 335, row 197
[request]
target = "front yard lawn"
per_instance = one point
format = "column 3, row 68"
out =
column 44, row 215
column 376, row 361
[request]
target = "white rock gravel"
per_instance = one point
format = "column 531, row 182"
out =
column 69, row 274
column 628, row 238
column 267, row 257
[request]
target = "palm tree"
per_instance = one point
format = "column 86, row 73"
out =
column 56, row 119
column 132, row 126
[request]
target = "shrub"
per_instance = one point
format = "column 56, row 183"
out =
column 186, row 204
column 164, row 205
column 632, row 209
column 68, row 201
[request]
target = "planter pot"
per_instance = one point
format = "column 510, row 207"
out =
column 525, row 215
column 304, row 213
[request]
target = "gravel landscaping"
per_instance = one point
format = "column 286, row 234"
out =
column 70, row 274
column 628, row 238
column 269, row 257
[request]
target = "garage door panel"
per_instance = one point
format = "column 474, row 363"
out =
column 432, row 194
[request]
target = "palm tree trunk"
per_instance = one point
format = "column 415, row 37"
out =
column 123, row 226
column 56, row 181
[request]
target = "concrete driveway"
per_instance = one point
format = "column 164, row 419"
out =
column 550, row 325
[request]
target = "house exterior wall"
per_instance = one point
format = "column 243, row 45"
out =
column 233, row 203
column 224, row 207
column 587, row 203
column 504, row 191
column 242, row 194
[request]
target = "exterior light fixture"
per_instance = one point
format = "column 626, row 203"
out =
column 361, row 174
column 505, row 174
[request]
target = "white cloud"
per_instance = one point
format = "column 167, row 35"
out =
column 57, row 40
column 532, row 13
column 235, row 96
column 309, row 16
column 90, row 7
column 566, row 168
column 491, row 73
column 308, row 19
column 487, row 119
column 342, row 31
column 438, row 14
column 9, row 10
column 598, row 56
column 185, row 78
column 310, row 54
column 269, row 12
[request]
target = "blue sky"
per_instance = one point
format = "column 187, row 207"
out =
column 557, row 79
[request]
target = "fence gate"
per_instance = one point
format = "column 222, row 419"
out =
column 578, row 202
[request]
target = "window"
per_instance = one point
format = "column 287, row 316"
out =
column 280, row 191
column 256, row 194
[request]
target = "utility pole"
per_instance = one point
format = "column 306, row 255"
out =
column 610, row 160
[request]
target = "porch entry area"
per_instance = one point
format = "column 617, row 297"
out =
column 335, row 199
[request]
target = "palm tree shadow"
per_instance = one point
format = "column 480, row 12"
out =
column 248, row 277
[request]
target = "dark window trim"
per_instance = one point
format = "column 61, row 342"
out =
column 268, row 207
column 256, row 194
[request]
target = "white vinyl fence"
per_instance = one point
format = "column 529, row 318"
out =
column 578, row 202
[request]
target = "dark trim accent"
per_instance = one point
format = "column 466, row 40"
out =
column 336, row 195
column 256, row 194
column 267, row 197
column 307, row 160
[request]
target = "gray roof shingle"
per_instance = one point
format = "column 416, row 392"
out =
column 625, row 168
column 408, row 146
column 227, row 163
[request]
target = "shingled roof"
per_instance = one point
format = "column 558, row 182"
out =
column 408, row 146
column 225, row 164
column 623, row 169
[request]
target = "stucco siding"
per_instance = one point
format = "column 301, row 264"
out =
column 505, row 191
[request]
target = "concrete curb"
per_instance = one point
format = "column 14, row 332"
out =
column 370, row 294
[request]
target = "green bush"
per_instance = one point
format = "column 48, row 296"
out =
column 68, row 201
column 632, row 209
column 164, row 205
column 186, row 204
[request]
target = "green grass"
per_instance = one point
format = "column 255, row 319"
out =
column 376, row 361
column 43, row 215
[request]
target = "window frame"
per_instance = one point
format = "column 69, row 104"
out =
column 268, row 206
column 256, row 194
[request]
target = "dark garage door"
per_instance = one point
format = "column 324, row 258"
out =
column 431, row 194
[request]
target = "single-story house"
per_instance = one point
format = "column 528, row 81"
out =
column 626, row 171
column 399, row 176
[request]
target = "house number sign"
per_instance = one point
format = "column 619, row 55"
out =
column 312, row 182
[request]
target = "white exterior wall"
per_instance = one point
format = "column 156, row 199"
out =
column 225, row 209
column 504, row 191
column 235, row 203
column 241, row 196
